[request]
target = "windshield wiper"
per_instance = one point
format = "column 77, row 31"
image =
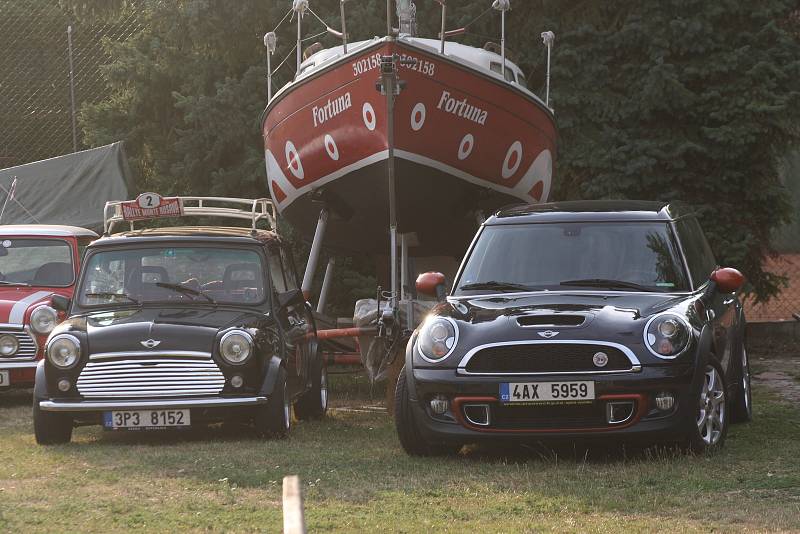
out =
column 109, row 294
column 498, row 286
column 186, row 290
column 606, row 283
column 7, row 283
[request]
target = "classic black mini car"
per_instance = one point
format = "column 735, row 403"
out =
column 579, row 319
column 174, row 327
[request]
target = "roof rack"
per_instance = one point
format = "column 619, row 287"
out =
column 258, row 209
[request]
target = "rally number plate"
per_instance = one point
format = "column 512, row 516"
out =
column 146, row 419
column 550, row 392
column 5, row 379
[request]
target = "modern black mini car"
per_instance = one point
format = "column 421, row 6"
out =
column 575, row 320
column 182, row 326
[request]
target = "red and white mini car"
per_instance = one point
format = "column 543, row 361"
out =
column 37, row 261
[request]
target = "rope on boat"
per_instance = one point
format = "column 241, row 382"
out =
column 284, row 59
column 282, row 20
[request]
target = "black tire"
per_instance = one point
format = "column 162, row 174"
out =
column 314, row 403
column 50, row 428
column 274, row 419
column 407, row 430
column 712, row 403
column 742, row 405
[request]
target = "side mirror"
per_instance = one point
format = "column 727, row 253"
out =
column 431, row 284
column 60, row 303
column 293, row 297
column 727, row 279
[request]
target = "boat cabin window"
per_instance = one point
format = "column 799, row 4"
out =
column 496, row 67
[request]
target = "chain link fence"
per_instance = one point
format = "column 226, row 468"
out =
column 787, row 303
column 50, row 65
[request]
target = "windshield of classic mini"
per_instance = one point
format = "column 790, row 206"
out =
column 30, row 261
column 173, row 274
column 619, row 256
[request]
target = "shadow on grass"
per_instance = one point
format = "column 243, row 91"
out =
column 16, row 397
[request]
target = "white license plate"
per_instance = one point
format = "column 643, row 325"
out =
column 546, row 392
column 146, row 419
column 5, row 379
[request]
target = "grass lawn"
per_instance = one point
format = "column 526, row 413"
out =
column 356, row 478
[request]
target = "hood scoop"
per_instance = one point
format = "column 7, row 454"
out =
column 552, row 320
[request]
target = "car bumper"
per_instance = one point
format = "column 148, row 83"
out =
column 538, row 421
column 102, row 406
column 21, row 374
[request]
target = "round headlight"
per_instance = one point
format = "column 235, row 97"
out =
column 43, row 319
column 437, row 338
column 8, row 345
column 64, row 351
column 667, row 335
column 236, row 346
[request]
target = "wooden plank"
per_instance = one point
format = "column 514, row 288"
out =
column 293, row 520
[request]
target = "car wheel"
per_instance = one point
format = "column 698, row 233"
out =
column 50, row 428
column 710, row 424
column 742, row 406
column 274, row 419
column 314, row 403
column 407, row 430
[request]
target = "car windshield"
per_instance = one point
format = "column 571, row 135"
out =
column 202, row 275
column 638, row 256
column 36, row 262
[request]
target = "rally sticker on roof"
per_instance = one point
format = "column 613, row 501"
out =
column 151, row 206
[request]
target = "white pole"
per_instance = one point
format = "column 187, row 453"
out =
column 444, row 14
column 293, row 518
column 313, row 255
column 344, row 26
column 548, row 38
column 326, row 286
column 299, row 43
column 503, row 40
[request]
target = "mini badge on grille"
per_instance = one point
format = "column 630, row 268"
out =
column 548, row 334
column 600, row 359
column 150, row 343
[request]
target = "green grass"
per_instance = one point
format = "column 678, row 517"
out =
column 356, row 478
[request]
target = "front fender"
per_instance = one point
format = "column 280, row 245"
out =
column 271, row 376
column 40, row 384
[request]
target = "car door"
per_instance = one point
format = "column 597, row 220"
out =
column 294, row 322
column 722, row 308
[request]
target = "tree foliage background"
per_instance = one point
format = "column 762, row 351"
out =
column 660, row 99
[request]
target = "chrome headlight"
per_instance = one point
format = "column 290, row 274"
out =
column 667, row 335
column 437, row 339
column 236, row 346
column 64, row 351
column 43, row 320
column 9, row 345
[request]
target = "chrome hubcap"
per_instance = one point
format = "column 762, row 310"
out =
column 323, row 388
column 746, row 381
column 712, row 410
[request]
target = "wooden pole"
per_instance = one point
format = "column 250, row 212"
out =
column 293, row 520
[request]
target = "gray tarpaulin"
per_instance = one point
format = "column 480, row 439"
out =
column 69, row 189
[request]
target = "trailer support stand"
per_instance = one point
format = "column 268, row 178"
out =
column 313, row 255
column 326, row 286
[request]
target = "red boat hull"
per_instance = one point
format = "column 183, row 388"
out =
column 465, row 142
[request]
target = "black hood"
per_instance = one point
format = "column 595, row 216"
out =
column 193, row 329
column 480, row 309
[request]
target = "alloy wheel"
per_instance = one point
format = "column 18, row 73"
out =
column 746, row 382
column 712, row 407
column 323, row 388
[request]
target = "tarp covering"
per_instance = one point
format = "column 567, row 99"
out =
column 69, row 189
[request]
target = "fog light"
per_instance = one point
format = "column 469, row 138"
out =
column 665, row 401
column 439, row 404
column 237, row 381
column 64, row 384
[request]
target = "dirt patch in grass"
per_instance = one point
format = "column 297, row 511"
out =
column 776, row 366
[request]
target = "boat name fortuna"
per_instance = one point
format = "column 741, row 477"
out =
column 331, row 109
column 461, row 108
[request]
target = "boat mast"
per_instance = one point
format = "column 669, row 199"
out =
column 299, row 7
column 502, row 6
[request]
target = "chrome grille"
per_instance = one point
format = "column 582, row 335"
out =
column 151, row 377
column 27, row 345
